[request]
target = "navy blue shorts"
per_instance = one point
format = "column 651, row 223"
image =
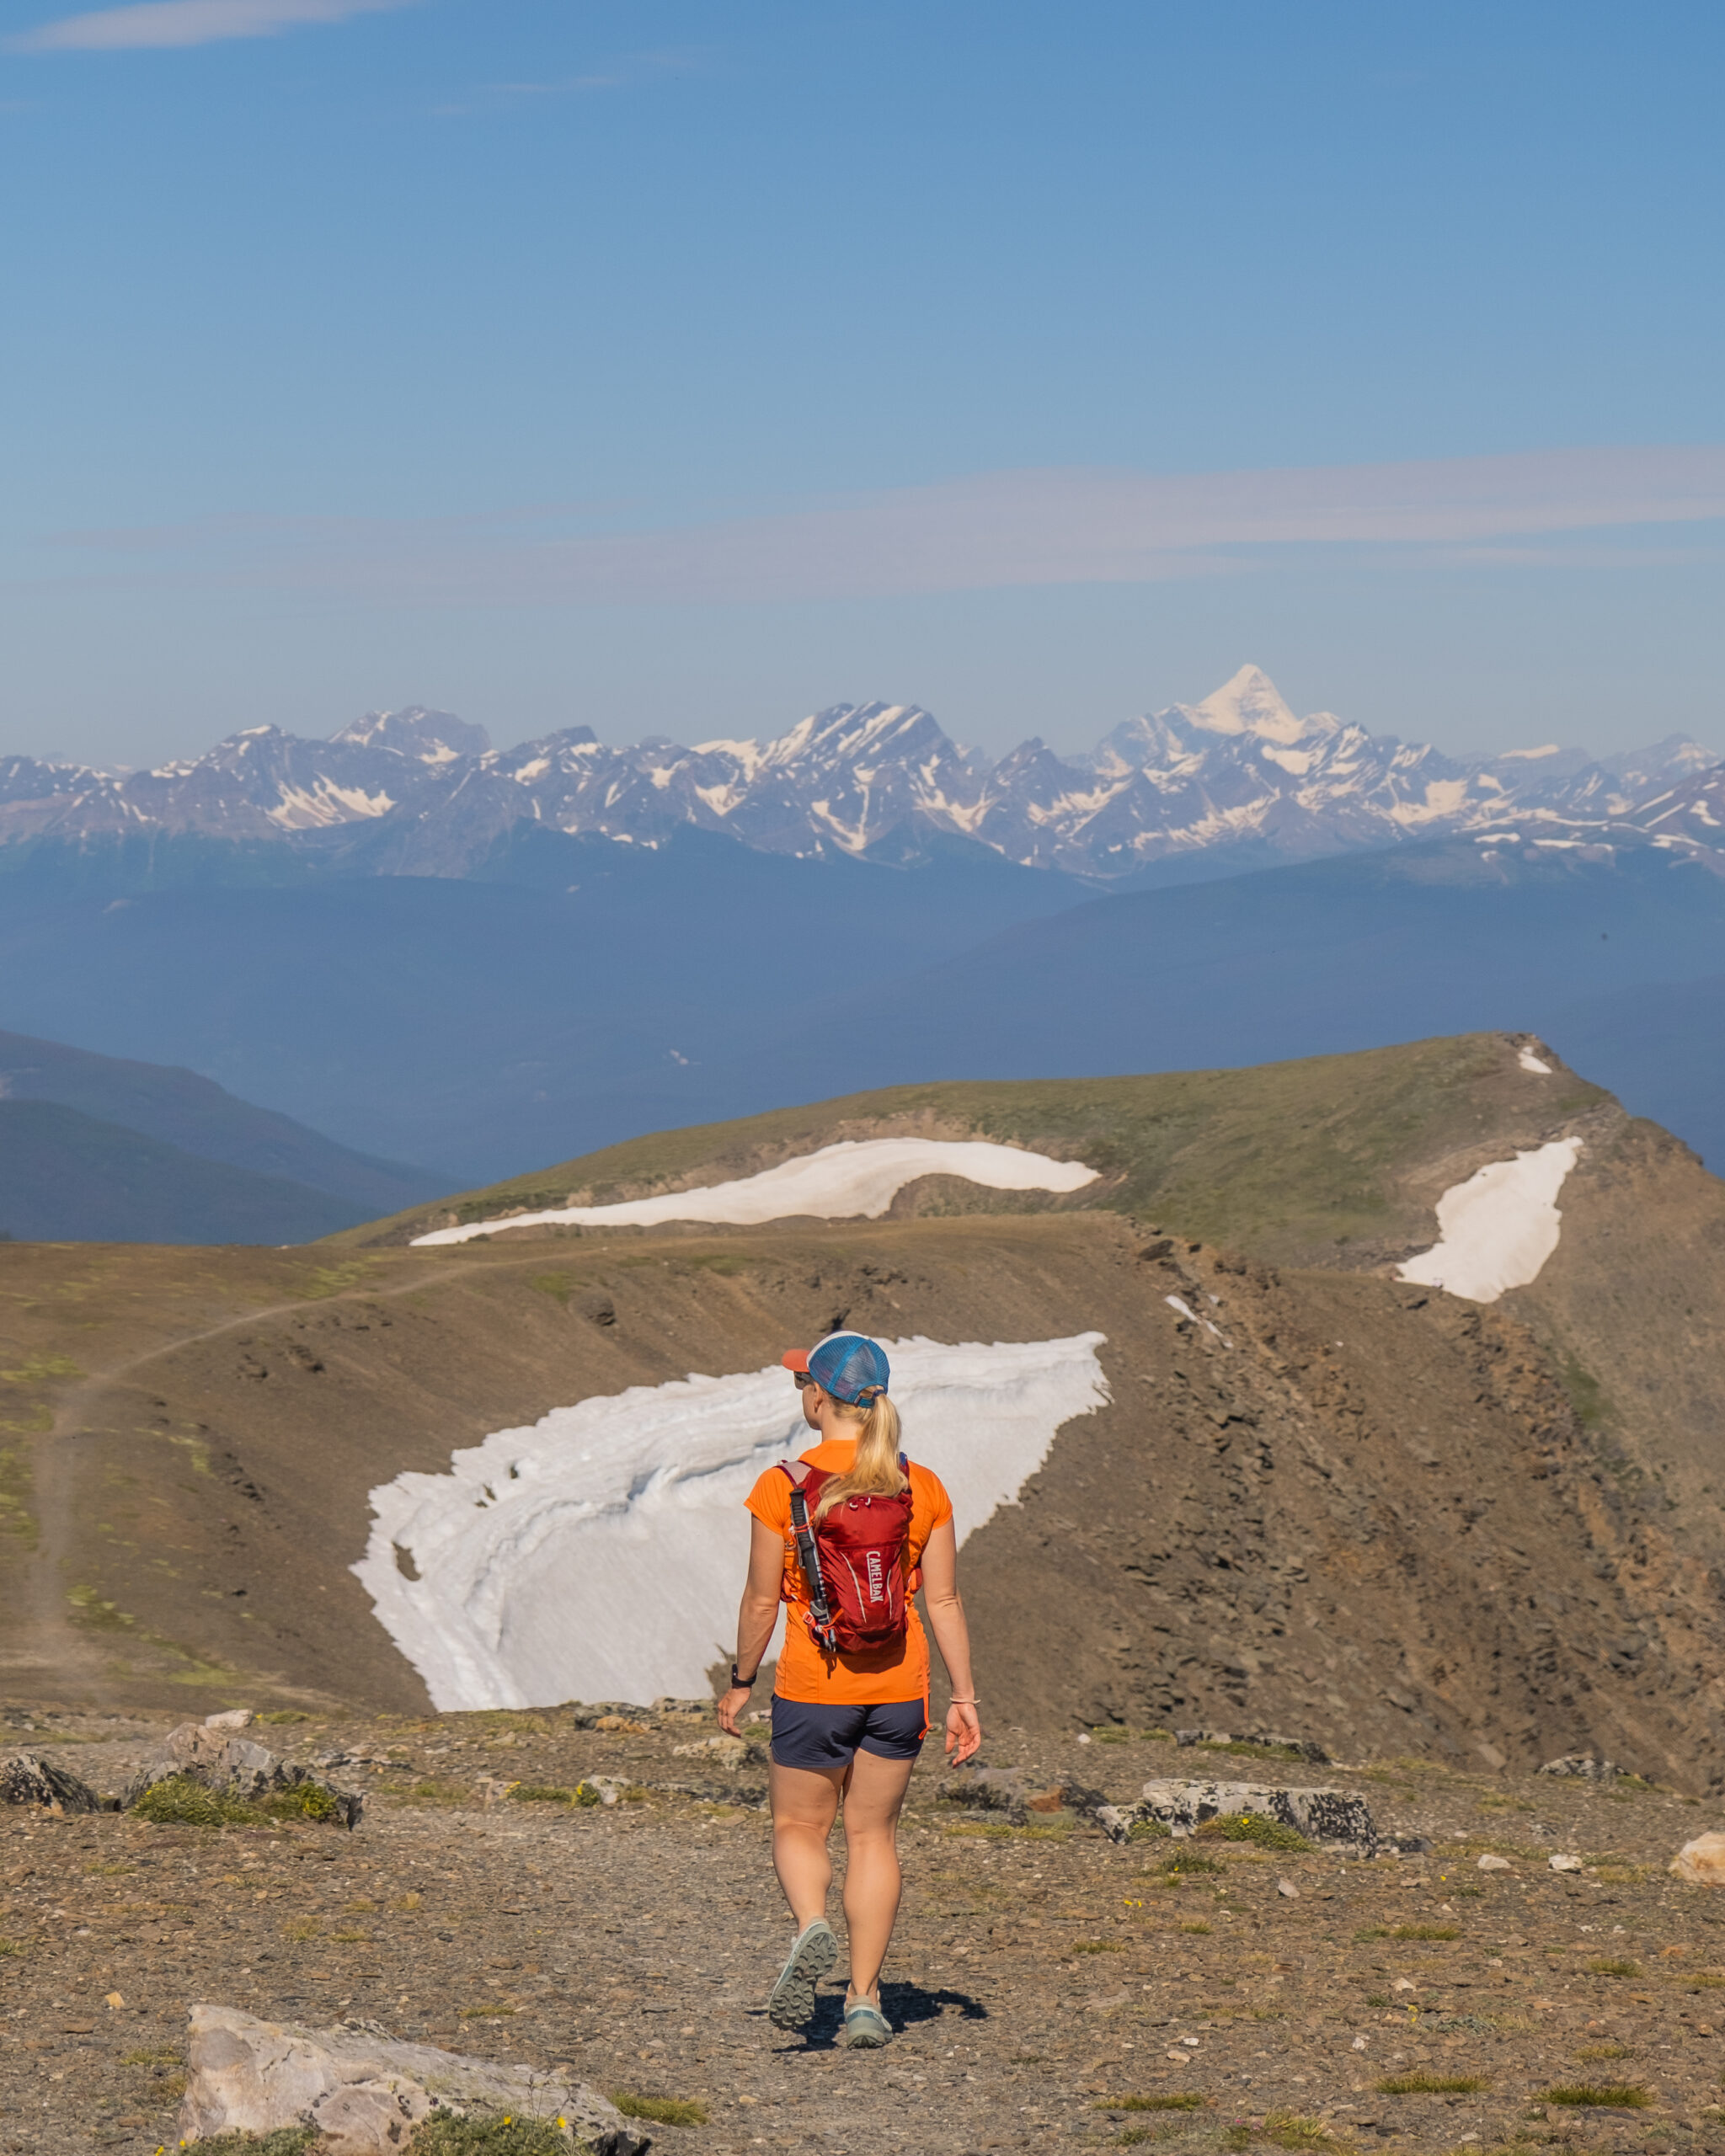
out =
column 809, row 1734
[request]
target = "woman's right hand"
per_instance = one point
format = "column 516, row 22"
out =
column 730, row 1706
column 963, row 1734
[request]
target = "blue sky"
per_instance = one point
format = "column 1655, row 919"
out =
column 678, row 368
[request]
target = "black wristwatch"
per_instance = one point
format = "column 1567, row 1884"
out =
column 740, row 1683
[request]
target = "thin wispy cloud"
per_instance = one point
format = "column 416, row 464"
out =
column 625, row 74
column 161, row 23
column 1064, row 525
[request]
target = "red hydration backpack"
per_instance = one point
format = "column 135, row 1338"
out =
column 856, row 1562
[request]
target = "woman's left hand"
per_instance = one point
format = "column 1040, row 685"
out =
column 730, row 1706
column 963, row 1734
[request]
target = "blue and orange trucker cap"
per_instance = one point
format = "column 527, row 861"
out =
column 849, row 1365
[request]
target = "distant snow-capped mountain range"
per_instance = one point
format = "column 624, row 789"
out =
column 1238, row 773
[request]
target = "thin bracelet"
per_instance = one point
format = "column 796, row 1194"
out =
column 963, row 1702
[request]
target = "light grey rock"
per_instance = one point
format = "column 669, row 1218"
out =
column 27, row 1778
column 1701, row 1862
column 217, row 1758
column 1583, row 1766
column 1334, row 1818
column 365, row 2093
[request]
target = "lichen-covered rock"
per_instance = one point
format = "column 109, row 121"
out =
column 1334, row 1818
column 1583, row 1766
column 1701, row 1862
column 364, row 2092
column 220, row 1760
column 28, row 1778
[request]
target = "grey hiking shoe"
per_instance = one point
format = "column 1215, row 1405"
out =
column 866, row 2027
column 793, row 2000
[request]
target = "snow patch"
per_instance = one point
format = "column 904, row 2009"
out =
column 1185, row 1309
column 857, row 1176
column 309, row 808
column 1529, row 1061
column 1444, row 797
column 1497, row 1229
column 599, row 1554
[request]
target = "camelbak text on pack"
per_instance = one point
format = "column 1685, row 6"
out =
column 855, row 1562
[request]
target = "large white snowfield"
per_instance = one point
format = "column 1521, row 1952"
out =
column 600, row 1554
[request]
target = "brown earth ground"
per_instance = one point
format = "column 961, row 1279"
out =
column 1043, row 1979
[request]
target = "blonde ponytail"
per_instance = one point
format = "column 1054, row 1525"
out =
column 875, row 1472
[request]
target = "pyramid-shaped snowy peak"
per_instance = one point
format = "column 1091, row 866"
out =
column 1249, row 703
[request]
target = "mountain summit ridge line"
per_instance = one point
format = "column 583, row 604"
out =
column 1237, row 770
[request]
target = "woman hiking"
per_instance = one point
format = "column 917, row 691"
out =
column 844, row 1536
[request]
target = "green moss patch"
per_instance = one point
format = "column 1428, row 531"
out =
column 662, row 2111
column 1601, row 2096
column 286, row 2141
column 1187, row 2100
column 444, row 2134
column 1431, row 2084
column 180, row 1802
column 1251, row 1826
column 583, row 1794
column 1295, row 2129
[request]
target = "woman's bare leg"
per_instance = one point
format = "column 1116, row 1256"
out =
column 805, row 1802
column 874, row 1795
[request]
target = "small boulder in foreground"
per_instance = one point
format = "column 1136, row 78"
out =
column 1701, row 1861
column 211, row 1756
column 364, row 2093
column 27, row 1778
column 1329, row 1818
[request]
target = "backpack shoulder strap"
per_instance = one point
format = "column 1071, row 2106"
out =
column 809, row 1556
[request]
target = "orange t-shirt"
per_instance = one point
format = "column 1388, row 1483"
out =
column 884, row 1674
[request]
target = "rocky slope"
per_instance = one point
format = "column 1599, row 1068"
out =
column 1236, row 778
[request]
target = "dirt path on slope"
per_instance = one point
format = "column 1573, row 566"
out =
column 43, row 1642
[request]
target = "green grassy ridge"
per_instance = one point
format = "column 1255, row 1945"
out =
column 1291, row 1159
